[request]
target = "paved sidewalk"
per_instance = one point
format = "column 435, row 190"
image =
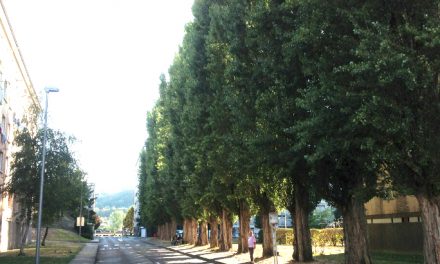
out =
column 87, row 255
column 228, row 257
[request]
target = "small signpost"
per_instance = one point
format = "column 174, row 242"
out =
column 273, row 220
column 80, row 221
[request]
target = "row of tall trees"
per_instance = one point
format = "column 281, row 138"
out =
column 282, row 103
column 64, row 182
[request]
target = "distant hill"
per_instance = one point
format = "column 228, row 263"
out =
column 124, row 199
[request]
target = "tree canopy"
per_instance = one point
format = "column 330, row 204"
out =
column 129, row 220
column 277, row 103
column 63, row 179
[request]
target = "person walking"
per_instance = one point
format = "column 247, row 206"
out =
column 252, row 243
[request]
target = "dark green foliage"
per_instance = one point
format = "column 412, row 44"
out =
column 63, row 178
column 94, row 219
column 128, row 220
column 319, row 218
column 283, row 103
column 399, row 65
column 87, row 231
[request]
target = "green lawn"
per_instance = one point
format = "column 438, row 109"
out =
column 378, row 258
column 61, row 247
column 31, row 260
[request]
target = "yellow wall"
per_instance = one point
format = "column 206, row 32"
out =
column 402, row 204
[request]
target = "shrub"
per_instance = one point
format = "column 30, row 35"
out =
column 86, row 231
column 327, row 237
column 334, row 236
column 320, row 237
column 285, row 236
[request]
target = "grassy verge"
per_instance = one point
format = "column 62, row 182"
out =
column 61, row 247
column 378, row 258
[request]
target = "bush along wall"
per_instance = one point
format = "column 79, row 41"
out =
column 320, row 237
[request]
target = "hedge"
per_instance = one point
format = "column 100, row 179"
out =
column 320, row 237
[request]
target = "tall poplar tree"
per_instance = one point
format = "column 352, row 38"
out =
column 342, row 148
column 397, row 63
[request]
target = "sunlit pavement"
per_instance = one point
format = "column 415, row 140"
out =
column 140, row 250
column 228, row 257
column 134, row 250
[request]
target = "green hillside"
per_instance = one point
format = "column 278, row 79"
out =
column 124, row 199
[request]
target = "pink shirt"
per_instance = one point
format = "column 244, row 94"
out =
column 252, row 241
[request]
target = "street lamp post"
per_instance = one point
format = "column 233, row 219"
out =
column 40, row 204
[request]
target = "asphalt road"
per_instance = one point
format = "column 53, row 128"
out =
column 135, row 251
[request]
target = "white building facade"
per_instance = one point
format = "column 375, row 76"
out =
column 19, row 106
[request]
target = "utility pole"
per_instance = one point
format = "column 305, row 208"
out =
column 80, row 212
column 43, row 160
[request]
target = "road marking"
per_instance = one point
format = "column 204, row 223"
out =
column 138, row 245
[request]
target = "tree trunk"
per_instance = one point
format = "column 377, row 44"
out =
column 166, row 231
column 24, row 236
column 226, row 231
column 186, row 230
column 163, row 236
column 355, row 233
column 430, row 210
column 160, row 232
column 169, row 230
column 303, row 243
column 193, row 237
column 203, row 234
column 43, row 242
column 267, row 235
column 213, row 239
column 190, row 231
column 244, row 221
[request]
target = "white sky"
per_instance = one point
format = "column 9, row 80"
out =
column 105, row 56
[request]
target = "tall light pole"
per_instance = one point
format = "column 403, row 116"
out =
column 40, row 204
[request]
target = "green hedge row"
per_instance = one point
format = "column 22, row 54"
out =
column 320, row 237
